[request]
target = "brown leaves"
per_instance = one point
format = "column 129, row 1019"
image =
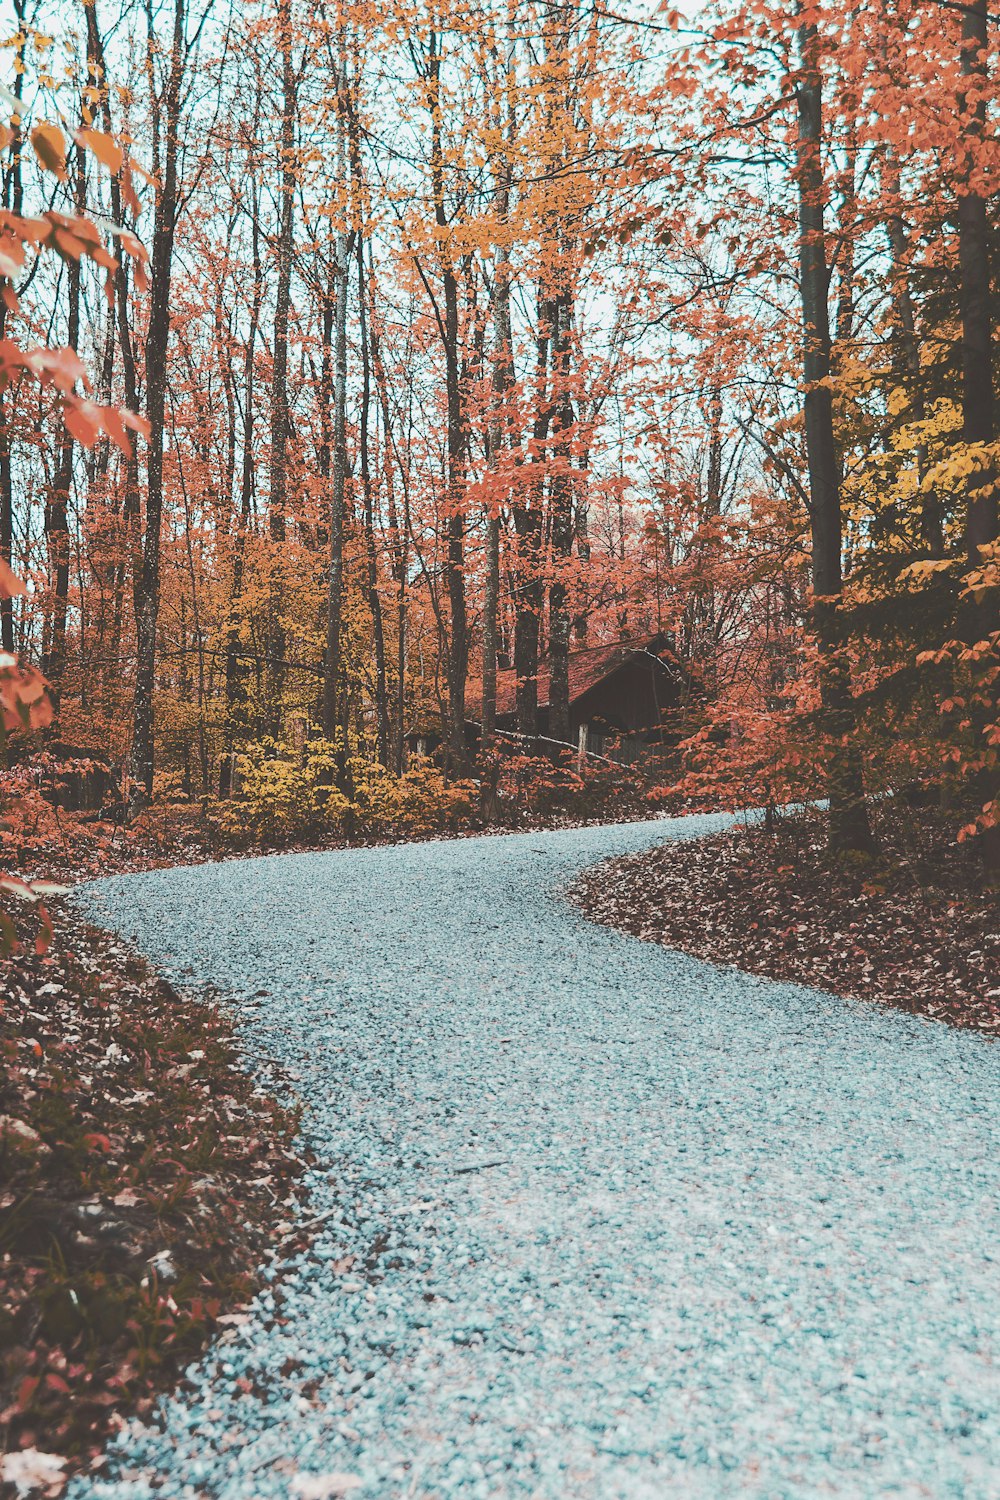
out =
column 146, row 1157
column 917, row 934
column 24, row 696
column 104, row 147
column 10, row 586
column 86, row 420
column 49, row 145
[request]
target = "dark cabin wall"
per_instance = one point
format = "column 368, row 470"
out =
column 632, row 699
column 627, row 705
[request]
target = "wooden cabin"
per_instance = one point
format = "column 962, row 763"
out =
column 623, row 694
column 623, row 699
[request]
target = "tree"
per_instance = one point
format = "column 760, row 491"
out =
column 146, row 553
column 848, row 816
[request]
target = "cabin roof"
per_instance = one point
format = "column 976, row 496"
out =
column 588, row 666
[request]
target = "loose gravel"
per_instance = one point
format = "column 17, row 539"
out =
column 624, row 1224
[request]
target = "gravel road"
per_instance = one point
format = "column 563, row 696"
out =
column 625, row 1225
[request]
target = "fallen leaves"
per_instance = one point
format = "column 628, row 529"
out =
column 917, row 933
column 142, row 1172
column 32, row 1472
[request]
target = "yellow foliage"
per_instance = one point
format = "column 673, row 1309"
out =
column 280, row 800
column 420, row 801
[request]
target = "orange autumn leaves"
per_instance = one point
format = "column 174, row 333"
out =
column 73, row 238
column 25, row 699
column 24, row 704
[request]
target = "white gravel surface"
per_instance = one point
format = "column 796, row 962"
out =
column 625, row 1225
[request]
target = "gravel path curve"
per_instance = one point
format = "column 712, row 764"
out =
column 626, row 1225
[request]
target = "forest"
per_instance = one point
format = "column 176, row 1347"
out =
column 422, row 424
column 348, row 353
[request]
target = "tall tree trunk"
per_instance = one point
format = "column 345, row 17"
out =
column 581, row 538
column 397, row 533
column 130, row 553
column 235, row 667
column 978, row 397
column 978, row 402
column 503, row 377
column 458, row 644
column 278, row 476
column 561, row 492
column 13, row 199
column 335, row 578
column 57, row 508
column 907, row 358
column 6, row 511
column 146, row 578
column 849, row 828
column 374, row 598
column 528, row 530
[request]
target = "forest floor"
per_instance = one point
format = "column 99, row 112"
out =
column 74, row 847
column 146, row 1171
column 914, row 928
column 593, row 1217
column 143, row 1172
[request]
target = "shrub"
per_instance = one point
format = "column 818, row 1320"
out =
column 533, row 786
column 419, row 802
column 280, row 801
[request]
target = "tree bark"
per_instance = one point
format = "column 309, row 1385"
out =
column 458, row 644
column 848, row 825
column 274, row 675
column 907, row 360
column 131, row 541
column 503, row 376
column 57, row 508
column 146, row 577
column 235, row 669
column 528, row 529
column 397, row 534
column 978, row 401
column 364, row 463
column 561, row 491
column 335, row 576
column 13, row 199
column 978, row 396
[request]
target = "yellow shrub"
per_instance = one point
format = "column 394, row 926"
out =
column 280, row 801
column 420, row 801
